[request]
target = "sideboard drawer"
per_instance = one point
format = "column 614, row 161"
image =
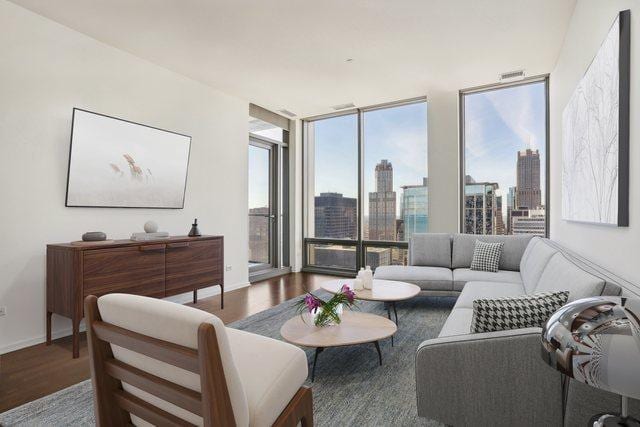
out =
column 193, row 265
column 133, row 270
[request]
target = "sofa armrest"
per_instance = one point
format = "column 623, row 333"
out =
column 495, row 378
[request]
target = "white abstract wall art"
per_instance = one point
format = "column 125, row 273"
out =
column 117, row 163
column 595, row 135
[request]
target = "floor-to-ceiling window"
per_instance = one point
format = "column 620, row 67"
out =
column 504, row 159
column 366, row 187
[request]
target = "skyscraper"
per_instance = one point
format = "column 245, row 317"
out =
column 382, row 204
column 336, row 216
column 483, row 208
column 511, row 205
column 414, row 209
column 528, row 179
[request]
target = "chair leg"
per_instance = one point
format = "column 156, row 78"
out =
column 299, row 410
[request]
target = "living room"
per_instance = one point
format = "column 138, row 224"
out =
column 347, row 213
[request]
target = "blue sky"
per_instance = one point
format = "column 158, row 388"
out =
column 498, row 123
column 396, row 134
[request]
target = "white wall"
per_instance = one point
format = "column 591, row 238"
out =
column 46, row 70
column 613, row 248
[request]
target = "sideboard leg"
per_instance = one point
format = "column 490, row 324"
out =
column 49, row 314
column 76, row 338
column 195, row 296
column 221, row 297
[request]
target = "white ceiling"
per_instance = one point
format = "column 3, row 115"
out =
column 292, row 53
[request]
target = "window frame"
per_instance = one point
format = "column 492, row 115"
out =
column 360, row 244
column 461, row 146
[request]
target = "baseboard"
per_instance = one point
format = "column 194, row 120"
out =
column 180, row 299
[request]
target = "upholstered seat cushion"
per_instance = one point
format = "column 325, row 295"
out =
column 428, row 278
column 458, row 322
column 560, row 274
column 482, row 290
column 271, row 372
column 463, row 275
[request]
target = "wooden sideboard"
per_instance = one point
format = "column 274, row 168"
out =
column 158, row 268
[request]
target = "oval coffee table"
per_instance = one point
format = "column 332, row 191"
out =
column 387, row 291
column 355, row 328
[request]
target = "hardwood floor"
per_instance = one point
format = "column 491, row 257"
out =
column 37, row 371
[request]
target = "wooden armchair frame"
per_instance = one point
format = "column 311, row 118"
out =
column 113, row 405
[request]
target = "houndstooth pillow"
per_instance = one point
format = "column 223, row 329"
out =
column 524, row 311
column 486, row 256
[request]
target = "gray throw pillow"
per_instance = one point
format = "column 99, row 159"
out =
column 519, row 312
column 486, row 256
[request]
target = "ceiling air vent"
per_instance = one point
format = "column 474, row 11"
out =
column 287, row 113
column 512, row 75
column 343, row 106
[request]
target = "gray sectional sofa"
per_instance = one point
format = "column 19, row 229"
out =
column 499, row 378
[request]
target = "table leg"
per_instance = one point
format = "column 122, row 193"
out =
column 315, row 359
column 76, row 338
column 49, row 314
column 387, row 306
column 395, row 311
column 379, row 353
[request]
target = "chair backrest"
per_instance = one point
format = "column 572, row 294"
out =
column 158, row 362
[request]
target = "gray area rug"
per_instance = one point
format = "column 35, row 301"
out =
column 350, row 388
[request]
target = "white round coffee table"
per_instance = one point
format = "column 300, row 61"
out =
column 387, row 291
column 355, row 328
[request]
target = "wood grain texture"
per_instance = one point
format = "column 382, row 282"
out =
column 193, row 265
column 216, row 402
column 355, row 328
column 382, row 290
column 127, row 270
column 33, row 372
column 75, row 271
column 299, row 410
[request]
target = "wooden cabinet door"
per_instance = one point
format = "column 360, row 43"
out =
column 193, row 265
column 138, row 270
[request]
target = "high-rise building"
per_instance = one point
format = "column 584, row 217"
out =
column 483, row 208
column 511, row 205
column 382, row 204
column 531, row 223
column 414, row 209
column 528, row 194
column 336, row 216
column 345, row 256
column 259, row 235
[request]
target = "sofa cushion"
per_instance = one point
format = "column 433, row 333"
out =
column 464, row 275
column 514, row 246
column 476, row 290
column 430, row 249
column 560, row 274
column 518, row 312
column 458, row 322
column 428, row 278
column 534, row 260
column 270, row 384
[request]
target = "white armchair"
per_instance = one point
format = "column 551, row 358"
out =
column 160, row 363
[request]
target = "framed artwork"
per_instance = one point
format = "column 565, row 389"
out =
column 595, row 135
column 115, row 163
